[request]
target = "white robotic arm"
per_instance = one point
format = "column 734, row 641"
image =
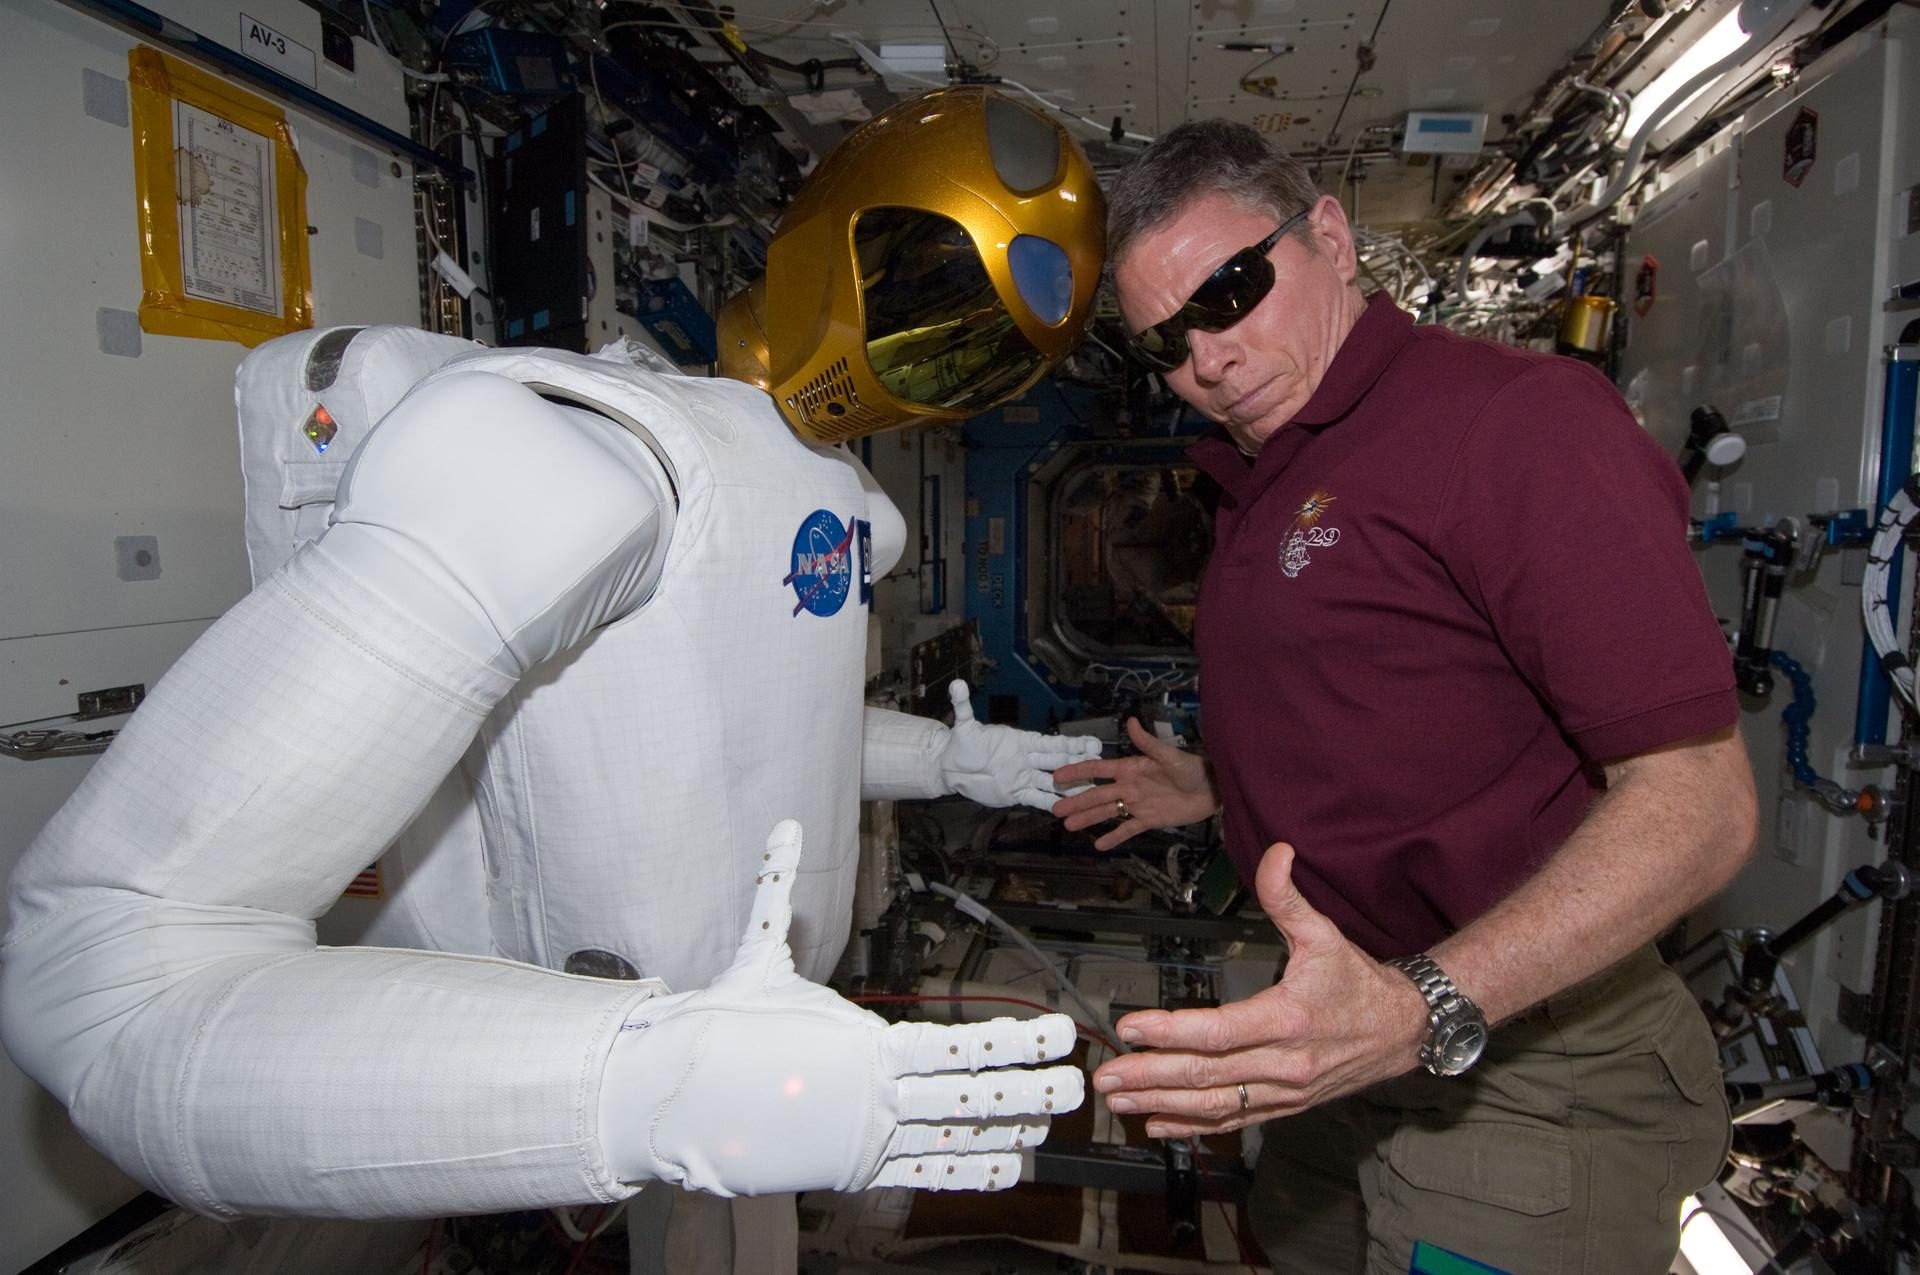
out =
column 903, row 756
column 160, row 975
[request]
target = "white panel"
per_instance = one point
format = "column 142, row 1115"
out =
column 1901, row 193
column 97, row 445
column 1818, row 243
column 1661, row 365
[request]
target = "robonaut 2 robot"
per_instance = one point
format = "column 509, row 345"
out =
column 576, row 636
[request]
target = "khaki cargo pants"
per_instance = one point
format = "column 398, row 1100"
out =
column 1567, row 1150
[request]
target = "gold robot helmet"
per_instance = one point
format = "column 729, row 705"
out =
column 939, row 261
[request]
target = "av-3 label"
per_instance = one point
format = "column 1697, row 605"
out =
column 265, row 45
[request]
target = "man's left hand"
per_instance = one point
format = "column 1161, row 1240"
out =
column 1337, row 1022
column 1001, row 766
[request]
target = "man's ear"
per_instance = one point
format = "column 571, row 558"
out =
column 1333, row 237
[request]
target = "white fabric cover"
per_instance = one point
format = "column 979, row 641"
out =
column 357, row 374
column 626, row 787
column 900, row 757
column 159, row 972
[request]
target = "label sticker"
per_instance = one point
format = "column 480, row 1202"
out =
column 272, row 48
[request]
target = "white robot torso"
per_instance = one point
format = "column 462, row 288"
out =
column 610, row 815
column 621, row 793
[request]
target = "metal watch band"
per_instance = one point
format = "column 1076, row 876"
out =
column 1432, row 982
column 1447, row 1008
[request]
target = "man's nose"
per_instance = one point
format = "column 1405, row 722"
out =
column 1213, row 353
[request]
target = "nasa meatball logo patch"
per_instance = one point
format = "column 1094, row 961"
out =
column 821, row 568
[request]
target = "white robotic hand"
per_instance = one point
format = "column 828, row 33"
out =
column 1001, row 766
column 765, row 1082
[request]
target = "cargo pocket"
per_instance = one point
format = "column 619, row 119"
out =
column 1701, row 1130
column 1519, row 1176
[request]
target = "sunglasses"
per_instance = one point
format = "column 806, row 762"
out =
column 1224, row 298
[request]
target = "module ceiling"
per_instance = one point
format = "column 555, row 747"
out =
column 1154, row 64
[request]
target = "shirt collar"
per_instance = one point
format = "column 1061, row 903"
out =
column 1377, row 337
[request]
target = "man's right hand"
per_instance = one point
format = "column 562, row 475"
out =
column 1160, row 787
column 765, row 1082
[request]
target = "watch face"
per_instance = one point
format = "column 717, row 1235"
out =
column 1457, row 1046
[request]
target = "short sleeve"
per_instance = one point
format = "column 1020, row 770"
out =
column 1565, row 525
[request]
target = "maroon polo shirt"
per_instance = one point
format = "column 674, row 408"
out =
column 1450, row 587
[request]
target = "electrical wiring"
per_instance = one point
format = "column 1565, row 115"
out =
column 787, row 22
column 1514, row 219
column 654, row 214
column 583, row 1241
column 1234, row 1231
column 1038, row 970
column 1127, row 678
column 1396, row 266
column 593, row 1231
column 1618, row 105
column 469, row 21
column 1249, row 85
column 593, row 76
column 944, row 33
column 1876, row 585
column 1157, row 962
column 1770, row 27
column 1081, row 960
column 1553, row 158
column 1364, row 62
column 979, row 911
column 1345, row 169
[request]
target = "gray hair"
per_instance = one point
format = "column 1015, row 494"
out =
column 1197, row 159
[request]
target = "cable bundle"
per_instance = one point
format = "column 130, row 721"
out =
column 1876, row 585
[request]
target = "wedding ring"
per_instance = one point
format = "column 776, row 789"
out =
column 1120, row 810
column 1243, row 1098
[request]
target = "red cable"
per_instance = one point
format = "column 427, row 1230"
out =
column 426, row 1263
column 590, row 1231
column 998, row 1000
column 1238, row 1243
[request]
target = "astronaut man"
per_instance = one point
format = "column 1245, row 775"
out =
column 575, row 637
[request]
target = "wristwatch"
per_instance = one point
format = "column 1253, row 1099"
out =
column 1456, row 1029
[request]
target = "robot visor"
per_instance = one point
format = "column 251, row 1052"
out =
column 938, row 333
